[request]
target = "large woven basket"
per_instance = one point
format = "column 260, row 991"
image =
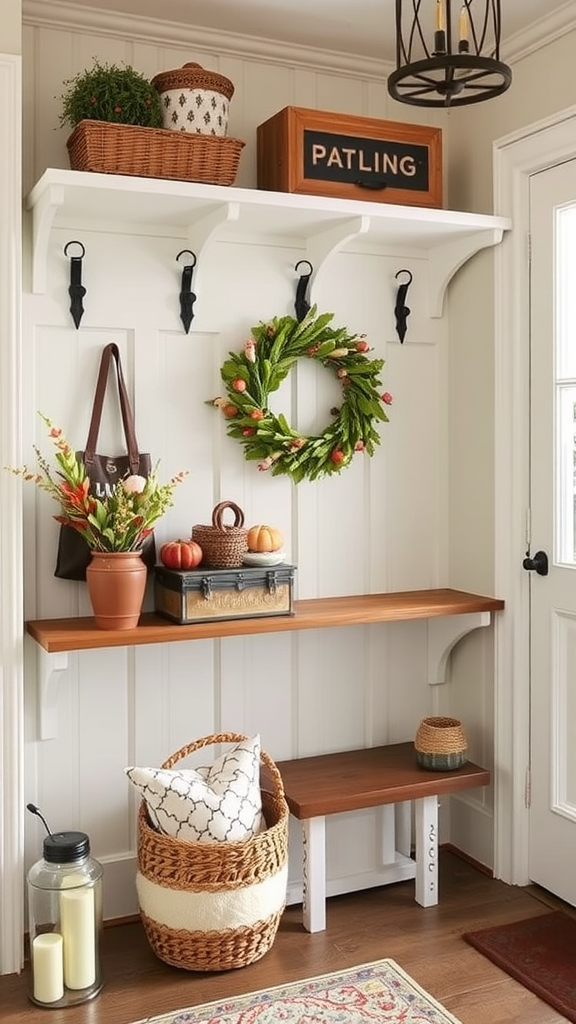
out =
column 223, row 546
column 190, row 878
column 110, row 148
column 440, row 744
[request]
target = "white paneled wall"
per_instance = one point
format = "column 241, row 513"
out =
column 381, row 525
column 378, row 526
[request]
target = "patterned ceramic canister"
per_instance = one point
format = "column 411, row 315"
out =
column 194, row 100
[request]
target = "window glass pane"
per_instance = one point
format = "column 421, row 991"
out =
column 566, row 293
column 565, row 384
column 566, row 473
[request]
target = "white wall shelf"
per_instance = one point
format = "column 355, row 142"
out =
column 199, row 214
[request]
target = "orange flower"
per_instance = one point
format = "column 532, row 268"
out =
column 121, row 520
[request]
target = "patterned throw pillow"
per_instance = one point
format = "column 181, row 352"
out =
column 213, row 803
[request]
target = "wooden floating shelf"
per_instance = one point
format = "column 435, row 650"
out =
column 56, row 635
column 451, row 614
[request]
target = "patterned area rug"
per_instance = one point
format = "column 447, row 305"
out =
column 379, row 991
column 539, row 953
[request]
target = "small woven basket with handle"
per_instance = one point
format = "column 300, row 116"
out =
column 228, row 897
column 440, row 744
column 223, row 547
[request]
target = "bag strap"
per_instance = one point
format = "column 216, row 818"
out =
column 111, row 351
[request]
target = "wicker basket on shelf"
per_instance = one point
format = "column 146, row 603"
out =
column 440, row 744
column 110, row 148
column 175, row 872
column 223, row 547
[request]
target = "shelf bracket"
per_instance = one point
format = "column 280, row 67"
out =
column 43, row 214
column 204, row 230
column 446, row 259
column 321, row 246
column 443, row 635
column 49, row 667
column 201, row 231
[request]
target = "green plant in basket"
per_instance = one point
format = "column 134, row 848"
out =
column 110, row 92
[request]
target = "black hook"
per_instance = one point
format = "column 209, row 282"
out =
column 301, row 304
column 187, row 296
column 76, row 290
column 401, row 310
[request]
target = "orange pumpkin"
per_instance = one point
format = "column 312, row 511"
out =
column 264, row 538
column 181, row 554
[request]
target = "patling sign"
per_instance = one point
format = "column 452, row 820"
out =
column 367, row 162
column 317, row 152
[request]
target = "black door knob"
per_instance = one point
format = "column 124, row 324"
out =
column 537, row 564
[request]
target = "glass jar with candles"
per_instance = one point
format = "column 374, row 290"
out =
column 65, row 921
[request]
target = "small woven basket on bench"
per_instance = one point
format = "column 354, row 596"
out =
column 111, row 148
column 223, row 547
column 440, row 744
column 251, row 874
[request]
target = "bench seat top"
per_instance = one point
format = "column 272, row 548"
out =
column 353, row 779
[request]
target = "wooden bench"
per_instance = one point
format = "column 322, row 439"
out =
column 372, row 777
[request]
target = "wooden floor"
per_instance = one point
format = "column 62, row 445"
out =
column 361, row 927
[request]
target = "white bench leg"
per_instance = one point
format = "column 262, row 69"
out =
column 427, row 851
column 388, row 834
column 314, row 874
column 403, row 817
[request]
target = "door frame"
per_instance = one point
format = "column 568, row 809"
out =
column 515, row 158
column 11, row 586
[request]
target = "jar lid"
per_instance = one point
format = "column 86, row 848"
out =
column 63, row 847
column 193, row 76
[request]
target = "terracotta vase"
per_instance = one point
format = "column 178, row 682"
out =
column 116, row 584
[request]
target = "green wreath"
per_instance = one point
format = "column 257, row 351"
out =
column 268, row 356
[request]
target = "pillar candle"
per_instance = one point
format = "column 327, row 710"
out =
column 78, row 932
column 47, row 967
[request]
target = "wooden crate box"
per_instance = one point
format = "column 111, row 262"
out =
column 328, row 154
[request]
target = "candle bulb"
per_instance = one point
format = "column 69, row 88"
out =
column 463, row 45
column 463, row 25
column 439, row 34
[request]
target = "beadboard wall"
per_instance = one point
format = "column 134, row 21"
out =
column 381, row 525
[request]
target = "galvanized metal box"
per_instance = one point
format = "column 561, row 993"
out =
column 327, row 154
column 200, row 595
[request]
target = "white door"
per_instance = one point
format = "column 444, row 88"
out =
column 552, row 853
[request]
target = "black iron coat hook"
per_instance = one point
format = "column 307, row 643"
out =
column 401, row 310
column 187, row 296
column 302, row 305
column 76, row 290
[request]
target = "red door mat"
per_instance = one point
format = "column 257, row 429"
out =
column 539, row 952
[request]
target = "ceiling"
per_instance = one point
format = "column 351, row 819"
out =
column 359, row 27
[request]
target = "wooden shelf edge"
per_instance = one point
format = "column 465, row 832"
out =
column 74, row 634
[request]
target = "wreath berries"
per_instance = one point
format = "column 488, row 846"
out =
column 268, row 356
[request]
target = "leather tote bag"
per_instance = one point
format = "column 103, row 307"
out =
column 105, row 471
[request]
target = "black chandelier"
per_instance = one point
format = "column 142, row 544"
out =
column 462, row 64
